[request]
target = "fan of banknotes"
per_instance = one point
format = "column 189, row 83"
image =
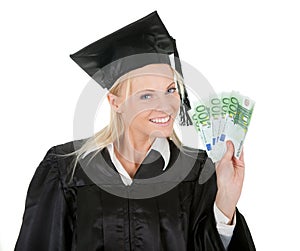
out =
column 220, row 118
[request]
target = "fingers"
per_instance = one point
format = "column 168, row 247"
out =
column 239, row 162
column 242, row 155
column 230, row 150
column 229, row 154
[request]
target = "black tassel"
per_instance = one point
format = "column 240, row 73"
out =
column 185, row 119
column 185, row 106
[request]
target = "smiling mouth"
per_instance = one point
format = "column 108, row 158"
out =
column 161, row 121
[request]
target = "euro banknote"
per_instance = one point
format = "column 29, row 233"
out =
column 223, row 117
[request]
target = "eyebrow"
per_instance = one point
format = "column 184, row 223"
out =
column 151, row 90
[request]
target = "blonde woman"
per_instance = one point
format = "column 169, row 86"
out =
column 133, row 185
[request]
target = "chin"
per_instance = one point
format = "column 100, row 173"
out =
column 161, row 133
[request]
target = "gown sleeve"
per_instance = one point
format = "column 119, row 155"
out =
column 204, row 235
column 46, row 225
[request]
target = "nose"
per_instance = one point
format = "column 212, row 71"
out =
column 167, row 104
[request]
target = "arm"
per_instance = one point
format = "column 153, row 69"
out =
column 205, row 234
column 224, row 226
column 46, row 224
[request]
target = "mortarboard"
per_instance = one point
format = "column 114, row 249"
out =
column 145, row 41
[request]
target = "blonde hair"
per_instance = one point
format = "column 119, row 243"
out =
column 115, row 128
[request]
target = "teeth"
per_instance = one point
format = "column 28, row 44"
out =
column 160, row 120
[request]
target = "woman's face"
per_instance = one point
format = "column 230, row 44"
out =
column 152, row 104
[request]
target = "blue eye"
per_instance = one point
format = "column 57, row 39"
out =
column 171, row 90
column 145, row 96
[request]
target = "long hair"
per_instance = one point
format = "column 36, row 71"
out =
column 115, row 127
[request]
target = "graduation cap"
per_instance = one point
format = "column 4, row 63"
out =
column 145, row 41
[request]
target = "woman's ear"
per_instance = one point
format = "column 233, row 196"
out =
column 114, row 102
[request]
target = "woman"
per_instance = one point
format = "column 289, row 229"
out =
column 72, row 207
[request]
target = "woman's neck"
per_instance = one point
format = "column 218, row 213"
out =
column 131, row 151
column 133, row 148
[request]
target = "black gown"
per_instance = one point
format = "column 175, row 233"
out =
column 80, row 215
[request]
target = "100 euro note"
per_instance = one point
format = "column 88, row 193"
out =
column 225, row 99
column 206, row 125
column 220, row 147
column 223, row 118
column 239, row 115
column 202, row 123
column 215, row 114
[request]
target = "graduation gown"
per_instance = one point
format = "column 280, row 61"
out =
column 82, row 216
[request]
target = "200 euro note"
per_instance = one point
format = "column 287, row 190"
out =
column 239, row 114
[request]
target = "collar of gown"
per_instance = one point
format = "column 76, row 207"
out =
column 160, row 145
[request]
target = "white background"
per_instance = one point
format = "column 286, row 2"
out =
column 249, row 46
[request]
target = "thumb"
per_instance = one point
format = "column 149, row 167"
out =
column 230, row 150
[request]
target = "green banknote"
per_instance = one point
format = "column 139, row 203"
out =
column 220, row 147
column 221, row 118
column 202, row 122
column 215, row 114
column 240, row 111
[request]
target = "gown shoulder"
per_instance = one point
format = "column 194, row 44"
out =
column 47, row 221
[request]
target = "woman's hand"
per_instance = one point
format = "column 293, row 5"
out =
column 230, row 176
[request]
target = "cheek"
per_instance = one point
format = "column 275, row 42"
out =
column 143, row 117
column 176, row 104
column 141, row 122
column 135, row 117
